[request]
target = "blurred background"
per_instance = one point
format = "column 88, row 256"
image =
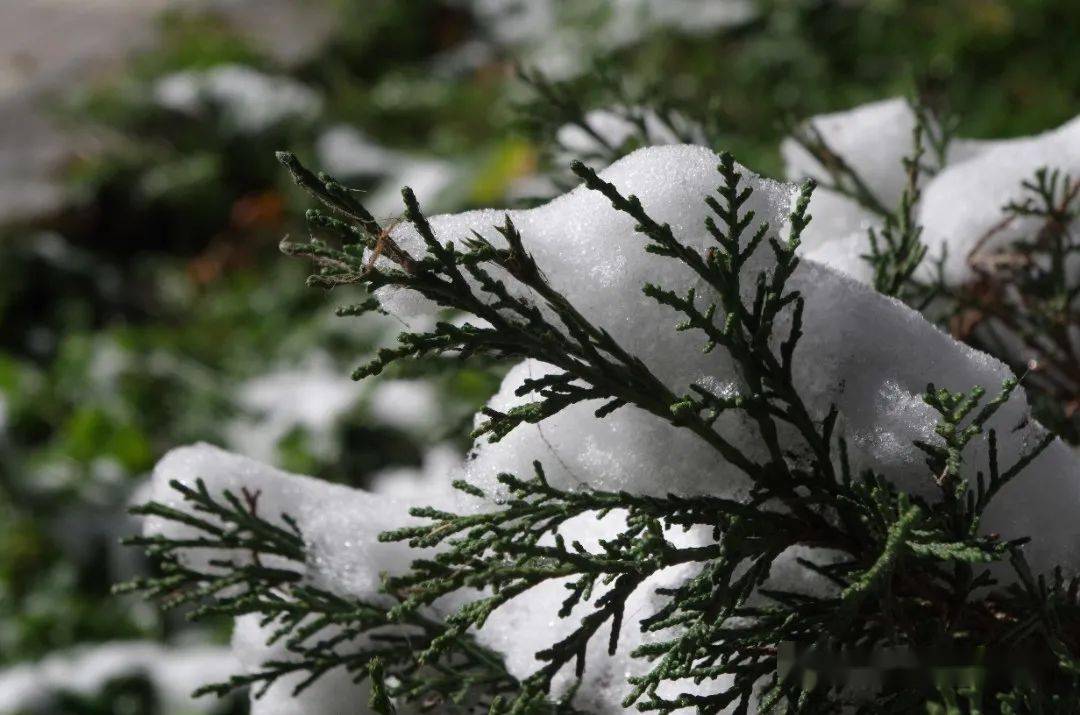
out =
column 144, row 305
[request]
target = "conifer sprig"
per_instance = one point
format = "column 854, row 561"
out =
column 255, row 565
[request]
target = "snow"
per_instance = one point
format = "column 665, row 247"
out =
column 175, row 672
column 340, row 526
column 333, row 694
column 868, row 354
column 316, row 505
column 858, row 343
column 873, row 139
column 964, row 202
column 250, row 101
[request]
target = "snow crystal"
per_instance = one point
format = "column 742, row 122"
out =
column 250, row 101
column 175, row 673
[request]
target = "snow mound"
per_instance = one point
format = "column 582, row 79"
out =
column 864, row 352
column 963, row 203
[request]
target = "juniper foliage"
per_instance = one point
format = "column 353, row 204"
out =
column 906, row 571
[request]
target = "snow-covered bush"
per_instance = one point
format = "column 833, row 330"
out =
column 981, row 233
column 640, row 521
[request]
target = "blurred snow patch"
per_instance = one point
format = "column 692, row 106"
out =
column 175, row 673
column 348, row 154
column 312, row 397
column 405, row 404
column 559, row 38
column 249, row 100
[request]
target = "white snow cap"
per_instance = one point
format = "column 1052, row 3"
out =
column 333, row 694
column 340, row 527
column 346, row 560
column 869, row 355
column 960, row 205
column 872, row 139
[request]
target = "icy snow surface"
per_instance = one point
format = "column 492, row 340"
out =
column 870, row 355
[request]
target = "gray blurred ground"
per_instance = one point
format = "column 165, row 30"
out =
column 48, row 47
